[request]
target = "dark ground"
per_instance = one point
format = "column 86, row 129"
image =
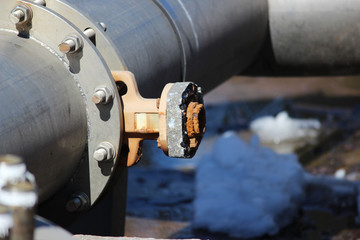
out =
column 160, row 200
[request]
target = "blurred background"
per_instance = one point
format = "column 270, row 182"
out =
column 313, row 123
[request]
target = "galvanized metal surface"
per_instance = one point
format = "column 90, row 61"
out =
column 63, row 84
column 159, row 40
column 103, row 43
column 42, row 118
column 316, row 35
column 182, row 40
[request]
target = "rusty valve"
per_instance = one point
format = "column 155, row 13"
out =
column 176, row 120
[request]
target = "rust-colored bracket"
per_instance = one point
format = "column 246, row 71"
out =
column 141, row 116
column 177, row 119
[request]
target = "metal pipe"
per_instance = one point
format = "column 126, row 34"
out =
column 42, row 114
column 314, row 37
column 165, row 41
column 43, row 117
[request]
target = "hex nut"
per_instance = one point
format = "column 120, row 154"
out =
column 70, row 44
column 105, row 151
column 77, row 203
column 102, row 95
column 20, row 14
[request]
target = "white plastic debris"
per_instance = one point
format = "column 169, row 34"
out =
column 246, row 190
column 283, row 128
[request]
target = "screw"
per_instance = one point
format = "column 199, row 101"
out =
column 19, row 14
column 103, row 26
column 104, row 151
column 70, row 44
column 77, row 203
column 102, row 95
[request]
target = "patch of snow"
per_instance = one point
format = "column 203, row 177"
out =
column 340, row 173
column 283, row 128
column 246, row 190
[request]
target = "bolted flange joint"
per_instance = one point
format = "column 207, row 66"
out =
column 71, row 44
column 20, row 14
column 105, row 151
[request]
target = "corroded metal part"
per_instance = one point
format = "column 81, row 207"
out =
column 185, row 120
column 177, row 120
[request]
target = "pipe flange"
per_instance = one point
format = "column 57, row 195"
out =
column 89, row 71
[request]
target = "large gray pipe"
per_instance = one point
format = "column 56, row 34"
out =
column 43, row 117
column 42, row 113
column 164, row 41
column 313, row 37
